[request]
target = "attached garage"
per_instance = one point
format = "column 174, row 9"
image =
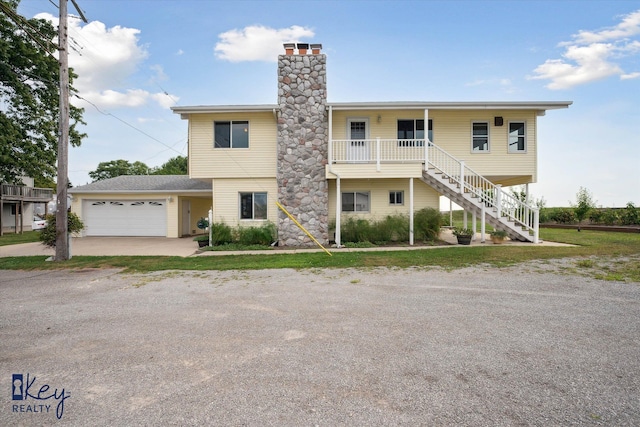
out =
column 125, row 217
column 142, row 205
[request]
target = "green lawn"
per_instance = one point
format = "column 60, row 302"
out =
column 14, row 239
column 606, row 255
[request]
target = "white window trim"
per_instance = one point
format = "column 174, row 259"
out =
column 367, row 128
column 253, row 207
column 397, row 191
column 231, row 135
column 526, row 140
column 368, row 193
column 488, row 150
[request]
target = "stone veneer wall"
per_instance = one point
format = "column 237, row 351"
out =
column 302, row 149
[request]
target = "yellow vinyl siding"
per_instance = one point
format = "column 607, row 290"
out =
column 226, row 200
column 259, row 160
column 369, row 170
column 378, row 189
column 452, row 132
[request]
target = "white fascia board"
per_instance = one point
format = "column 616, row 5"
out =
column 542, row 106
column 199, row 109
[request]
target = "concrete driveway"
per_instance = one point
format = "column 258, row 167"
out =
column 107, row 246
column 526, row 345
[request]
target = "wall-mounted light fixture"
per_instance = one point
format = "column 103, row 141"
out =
column 379, row 118
column 169, row 199
column 498, row 121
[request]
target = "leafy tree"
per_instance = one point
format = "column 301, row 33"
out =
column 584, row 203
column 48, row 233
column 174, row 166
column 29, row 98
column 106, row 170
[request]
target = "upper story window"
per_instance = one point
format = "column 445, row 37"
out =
column 517, row 137
column 231, row 134
column 413, row 129
column 480, row 137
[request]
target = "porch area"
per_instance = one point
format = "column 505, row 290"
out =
column 20, row 198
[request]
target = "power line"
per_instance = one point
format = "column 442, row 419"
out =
column 126, row 123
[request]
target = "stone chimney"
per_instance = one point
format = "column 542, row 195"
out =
column 302, row 145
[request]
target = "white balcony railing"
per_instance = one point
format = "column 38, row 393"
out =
column 380, row 151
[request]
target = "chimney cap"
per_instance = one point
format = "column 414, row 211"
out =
column 316, row 46
column 303, row 45
column 289, row 45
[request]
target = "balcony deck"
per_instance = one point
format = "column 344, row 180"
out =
column 17, row 193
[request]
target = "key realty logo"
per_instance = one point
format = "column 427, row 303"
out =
column 30, row 396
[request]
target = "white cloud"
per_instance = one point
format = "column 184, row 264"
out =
column 591, row 55
column 104, row 60
column 630, row 76
column 257, row 43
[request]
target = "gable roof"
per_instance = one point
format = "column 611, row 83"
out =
column 144, row 183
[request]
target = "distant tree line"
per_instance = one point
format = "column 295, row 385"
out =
column 105, row 170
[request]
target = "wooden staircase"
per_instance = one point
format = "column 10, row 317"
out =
column 474, row 193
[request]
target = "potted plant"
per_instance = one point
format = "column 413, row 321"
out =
column 203, row 241
column 464, row 235
column 498, row 236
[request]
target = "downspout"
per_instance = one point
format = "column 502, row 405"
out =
column 338, row 200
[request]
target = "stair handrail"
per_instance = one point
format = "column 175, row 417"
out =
column 487, row 192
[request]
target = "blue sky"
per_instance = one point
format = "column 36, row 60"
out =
column 137, row 58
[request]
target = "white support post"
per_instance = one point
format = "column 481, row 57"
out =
column 461, row 176
column 464, row 219
column 426, row 139
column 536, row 226
column 378, row 154
column 473, row 222
column 410, row 211
column 527, row 213
column 482, row 224
column 499, row 200
column 450, row 212
column 338, row 209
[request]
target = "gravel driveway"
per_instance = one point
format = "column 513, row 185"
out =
column 513, row 346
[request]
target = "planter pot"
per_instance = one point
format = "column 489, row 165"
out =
column 202, row 243
column 497, row 240
column 464, row 240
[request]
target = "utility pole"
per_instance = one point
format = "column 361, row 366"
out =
column 62, row 232
column 63, row 251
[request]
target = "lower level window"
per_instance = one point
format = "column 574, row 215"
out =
column 355, row 202
column 396, row 197
column 253, row 205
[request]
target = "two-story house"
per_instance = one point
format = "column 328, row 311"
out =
column 323, row 161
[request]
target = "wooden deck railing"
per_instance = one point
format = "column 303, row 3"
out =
column 28, row 194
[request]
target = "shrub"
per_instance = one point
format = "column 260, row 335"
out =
column 426, row 224
column 393, row 228
column 221, row 234
column 610, row 217
column 48, row 233
column 630, row 215
column 263, row 235
column 356, row 230
column 563, row 216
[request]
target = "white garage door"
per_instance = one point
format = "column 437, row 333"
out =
column 125, row 218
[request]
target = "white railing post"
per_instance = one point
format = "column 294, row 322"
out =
column 461, row 176
column 536, row 225
column 426, row 154
column 499, row 200
column 378, row 154
column 483, row 223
